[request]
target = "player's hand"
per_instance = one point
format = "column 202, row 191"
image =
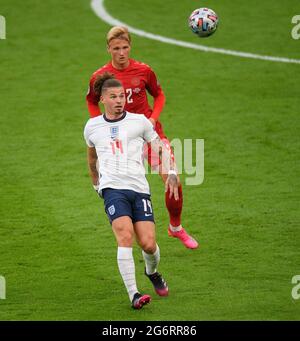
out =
column 172, row 184
column 96, row 188
column 152, row 120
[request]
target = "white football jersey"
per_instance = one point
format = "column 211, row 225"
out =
column 119, row 146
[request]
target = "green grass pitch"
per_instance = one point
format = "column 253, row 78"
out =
column 57, row 251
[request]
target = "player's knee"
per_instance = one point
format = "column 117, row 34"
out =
column 124, row 235
column 149, row 246
column 125, row 239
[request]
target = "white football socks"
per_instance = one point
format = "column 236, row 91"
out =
column 151, row 260
column 127, row 269
column 175, row 228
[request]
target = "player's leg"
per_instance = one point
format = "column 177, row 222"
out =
column 124, row 233
column 144, row 228
column 145, row 235
column 174, row 207
column 119, row 211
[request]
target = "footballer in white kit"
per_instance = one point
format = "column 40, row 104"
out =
column 115, row 140
column 119, row 147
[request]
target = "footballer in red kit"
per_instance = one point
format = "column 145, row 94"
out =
column 137, row 79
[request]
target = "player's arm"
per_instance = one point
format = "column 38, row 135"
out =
column 158, row 95
column 92, row 100
column 158, row 105
column 92, row 164
column 168, row 166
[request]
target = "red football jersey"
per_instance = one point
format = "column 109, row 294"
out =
column 137, row 79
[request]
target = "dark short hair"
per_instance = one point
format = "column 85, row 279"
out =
column 105, row 81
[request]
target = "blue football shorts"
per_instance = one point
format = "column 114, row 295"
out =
column 124, row 202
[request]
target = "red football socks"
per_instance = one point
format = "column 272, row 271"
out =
column 174, row 207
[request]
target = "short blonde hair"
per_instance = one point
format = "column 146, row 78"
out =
column 118, row 32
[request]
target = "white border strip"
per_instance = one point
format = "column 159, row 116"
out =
column 99, row 9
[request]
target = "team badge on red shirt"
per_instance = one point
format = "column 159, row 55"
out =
column 135, row 81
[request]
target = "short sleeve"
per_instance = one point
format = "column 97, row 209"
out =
column 86, row 135
column 149, row 132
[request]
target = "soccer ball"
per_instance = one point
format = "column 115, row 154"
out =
column 203, row 22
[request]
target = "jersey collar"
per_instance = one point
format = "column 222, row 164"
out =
column 116, row 120
column 122, row 70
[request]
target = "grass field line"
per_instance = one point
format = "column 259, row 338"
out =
column 99, row 9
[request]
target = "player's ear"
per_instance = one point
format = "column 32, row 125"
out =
column 101, row 99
